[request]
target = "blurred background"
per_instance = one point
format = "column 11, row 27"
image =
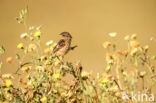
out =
column 89, row 21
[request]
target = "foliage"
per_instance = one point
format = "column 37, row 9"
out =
column 45, row 78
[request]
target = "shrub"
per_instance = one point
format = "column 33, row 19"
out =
column 45, row 78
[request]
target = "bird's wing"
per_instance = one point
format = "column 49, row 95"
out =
column 59, row 45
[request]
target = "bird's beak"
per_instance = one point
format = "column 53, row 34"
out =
column 61, row 34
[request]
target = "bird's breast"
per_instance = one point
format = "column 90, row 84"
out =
column 62, row 51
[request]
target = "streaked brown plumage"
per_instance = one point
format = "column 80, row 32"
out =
column 64, row 45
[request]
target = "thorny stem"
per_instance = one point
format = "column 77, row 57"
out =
column 118, row 85
column 20, row 63
column 25, row 19
column 148, row 65
column 78, row 76
column 118, row 76
column 26, row 27
column 81, row 81
column 38, row 43
column 143, row 87
column 95, row 90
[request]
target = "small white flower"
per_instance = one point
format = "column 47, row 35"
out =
column 107, row 44
column 31, row 28
column 49, row 43
column 23, row 35
column 134, row 51
column 146, row 48
column 127, row 38
column 134, row 44
column 32, row 47
column 7, row 76
column 152, row 39
column 113, row 34
column 85, row 74
column 40, row 68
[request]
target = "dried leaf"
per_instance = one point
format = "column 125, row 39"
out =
column 9, row 60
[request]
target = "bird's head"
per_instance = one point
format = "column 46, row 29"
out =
column 66, row 35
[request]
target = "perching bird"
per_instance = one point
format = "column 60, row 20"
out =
column 64, row 45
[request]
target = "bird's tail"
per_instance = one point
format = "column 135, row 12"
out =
column 73, row 47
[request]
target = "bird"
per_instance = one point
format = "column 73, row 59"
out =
column 64, row 45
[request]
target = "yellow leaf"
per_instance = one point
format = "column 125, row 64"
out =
column 37, row 34
column 43, row 99
column 20, row 46
column 104, row 80
column 8, row 83
column 56, row 76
